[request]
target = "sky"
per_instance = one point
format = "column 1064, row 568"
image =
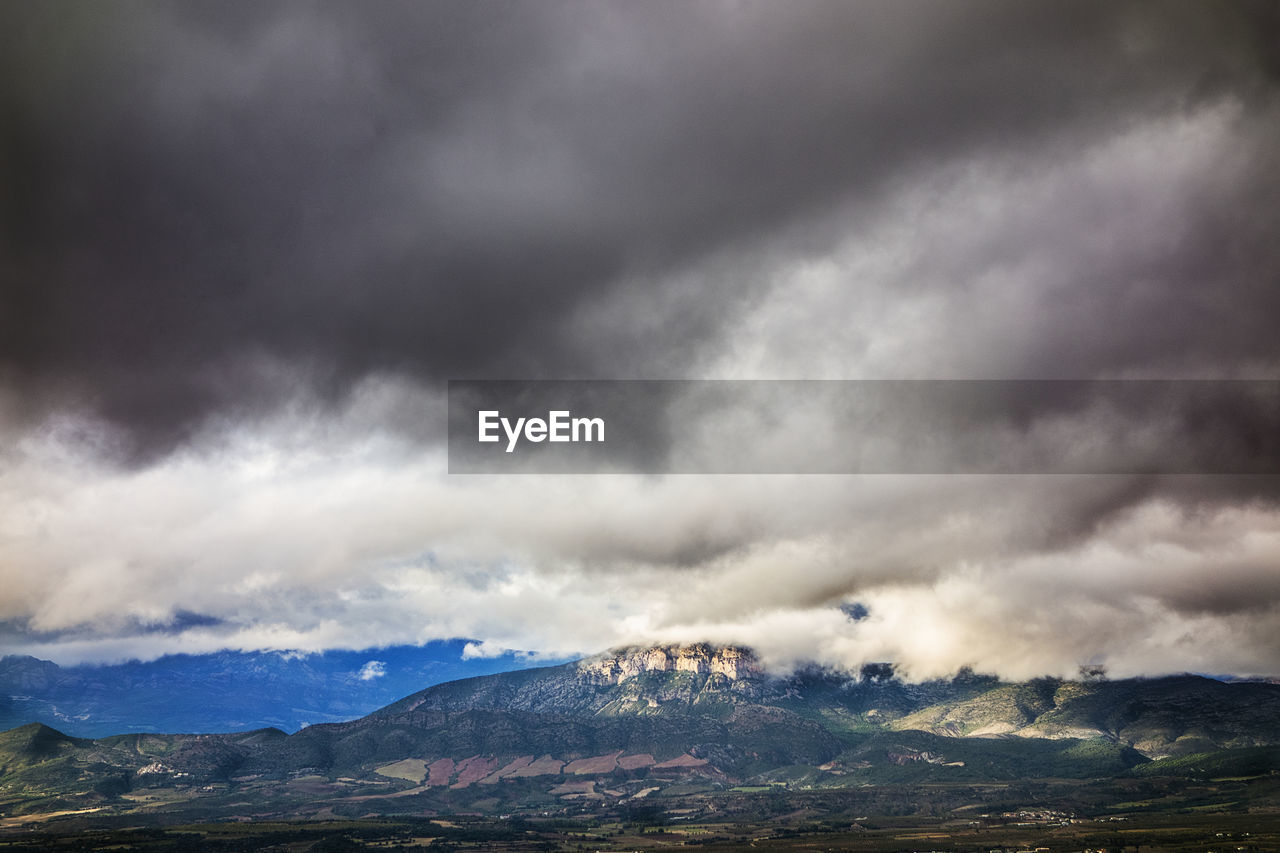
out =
column 244, row 246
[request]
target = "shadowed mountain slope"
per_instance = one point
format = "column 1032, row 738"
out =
column 644, row 720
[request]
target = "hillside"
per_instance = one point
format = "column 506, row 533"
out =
column 646, row 721
column 225, row 691
column 1159, row 717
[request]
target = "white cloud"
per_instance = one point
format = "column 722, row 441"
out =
column 360, row 548
column 486, row 649
column 371, row 670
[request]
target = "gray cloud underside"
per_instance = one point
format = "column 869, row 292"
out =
column 241, row 246
column 440, row 189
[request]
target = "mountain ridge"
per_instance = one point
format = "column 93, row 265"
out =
column 610, row 727
column 225, row 691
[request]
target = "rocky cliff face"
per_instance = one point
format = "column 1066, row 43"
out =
column 732, row 662
column 1170, row 716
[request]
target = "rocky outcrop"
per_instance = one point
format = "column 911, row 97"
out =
column 730, row 661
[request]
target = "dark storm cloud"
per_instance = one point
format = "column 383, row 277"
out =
column 208, row 204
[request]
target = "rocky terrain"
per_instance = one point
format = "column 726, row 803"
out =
column 638, row 722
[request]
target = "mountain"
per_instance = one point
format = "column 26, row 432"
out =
column 227, row 691
column 657, row 721
column 35, row 759
column 1160, row 717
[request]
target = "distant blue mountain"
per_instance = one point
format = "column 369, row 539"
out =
column 228, row 691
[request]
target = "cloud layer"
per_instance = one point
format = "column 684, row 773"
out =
column 243, row 246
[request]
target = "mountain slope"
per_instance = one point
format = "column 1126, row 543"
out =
column 674, row 718
column 227, row 691
column 1160, row 717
